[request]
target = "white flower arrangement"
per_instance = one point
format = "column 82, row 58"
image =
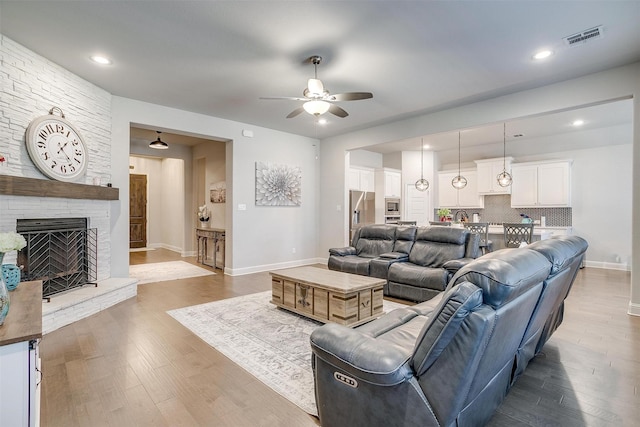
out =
column 203, row 213
column 11, row 241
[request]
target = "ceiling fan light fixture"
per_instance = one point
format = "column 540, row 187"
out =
column 158, row 144
column 315, row 88
column 316, row 108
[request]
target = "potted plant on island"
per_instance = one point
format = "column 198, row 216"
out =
column 443, row 214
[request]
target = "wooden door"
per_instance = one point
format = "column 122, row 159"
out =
column 137, row 211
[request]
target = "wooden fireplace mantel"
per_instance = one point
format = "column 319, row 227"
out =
column 21, row 186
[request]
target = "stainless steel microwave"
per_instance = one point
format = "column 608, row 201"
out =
column 392, row 206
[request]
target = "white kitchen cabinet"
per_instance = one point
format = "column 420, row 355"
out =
column 362, row 179
column 468, row 197
column 541, row 184
column 488, row 171
column 389, row 182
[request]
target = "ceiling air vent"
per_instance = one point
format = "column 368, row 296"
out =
column 584, row 36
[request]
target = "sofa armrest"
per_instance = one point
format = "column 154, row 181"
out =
column 349, row 250
column 361, row 356
column 395, row 256
column 454, row 265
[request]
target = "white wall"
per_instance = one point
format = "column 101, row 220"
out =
column 365, row 158
column 258, row 238
column 214, row 154
column 173, row 204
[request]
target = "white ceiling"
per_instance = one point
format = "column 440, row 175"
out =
column 219, row 57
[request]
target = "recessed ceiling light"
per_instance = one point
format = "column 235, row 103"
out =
column 426, row 146
column 578, row 122
column 543, row 54
column 322, row 121
column 101, row 60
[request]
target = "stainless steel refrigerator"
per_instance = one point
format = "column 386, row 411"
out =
column 362, row 210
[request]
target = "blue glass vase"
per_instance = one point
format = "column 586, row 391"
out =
column 4, row 296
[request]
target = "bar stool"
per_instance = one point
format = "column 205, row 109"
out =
column 517, row 233
column 482, row 229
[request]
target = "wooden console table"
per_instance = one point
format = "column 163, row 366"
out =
column 217, row 236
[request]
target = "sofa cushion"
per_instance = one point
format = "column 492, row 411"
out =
column 418, row 276
column 444, row 323
column 350, row 264
column 405, row 237
column 375, row 240
column 505, row 274
column 560, row 250
column 436, row 245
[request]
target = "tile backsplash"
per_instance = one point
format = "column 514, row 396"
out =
column 497, row 209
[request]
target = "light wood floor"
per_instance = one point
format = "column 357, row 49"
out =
column 134, row 365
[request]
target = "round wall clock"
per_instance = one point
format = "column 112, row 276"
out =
column 56, row 147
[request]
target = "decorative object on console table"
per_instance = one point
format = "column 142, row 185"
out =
column 10, row 273
column 203, row 215
column 11, row 276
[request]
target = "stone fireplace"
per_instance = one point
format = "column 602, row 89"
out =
column 23, row 198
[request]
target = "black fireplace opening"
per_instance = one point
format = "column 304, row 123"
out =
column 62, row 252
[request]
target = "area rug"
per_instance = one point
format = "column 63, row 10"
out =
column 270, row 343
column 162, row 271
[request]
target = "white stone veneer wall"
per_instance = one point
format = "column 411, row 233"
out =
column 30, row 86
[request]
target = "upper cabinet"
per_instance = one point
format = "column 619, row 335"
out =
column 389, row 182
column 488, row 171
column 362, row 179
column 468, row 197
column 541, row 184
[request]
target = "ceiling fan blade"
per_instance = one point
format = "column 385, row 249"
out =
column 295, row 112
column 350, row 96
column 337, row 111
column 289, row 98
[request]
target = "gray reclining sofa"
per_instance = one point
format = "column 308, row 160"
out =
column 417, row 262
column 449, row 361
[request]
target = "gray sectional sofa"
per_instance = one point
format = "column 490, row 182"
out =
column 417, row 262
column 449, row 361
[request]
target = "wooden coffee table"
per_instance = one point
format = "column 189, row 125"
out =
column 327, row 295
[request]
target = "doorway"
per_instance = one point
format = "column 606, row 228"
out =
column 137, row 211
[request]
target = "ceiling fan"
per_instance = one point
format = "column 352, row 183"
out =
column 318, row 100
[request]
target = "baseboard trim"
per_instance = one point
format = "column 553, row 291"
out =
column 269, row 267
column 608, row 265
column 634, row 309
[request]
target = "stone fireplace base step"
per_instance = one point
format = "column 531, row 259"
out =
column 79, row 303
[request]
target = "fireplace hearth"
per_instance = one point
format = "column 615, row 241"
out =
column 62, row 252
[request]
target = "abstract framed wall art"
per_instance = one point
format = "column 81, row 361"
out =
column 278, row 185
